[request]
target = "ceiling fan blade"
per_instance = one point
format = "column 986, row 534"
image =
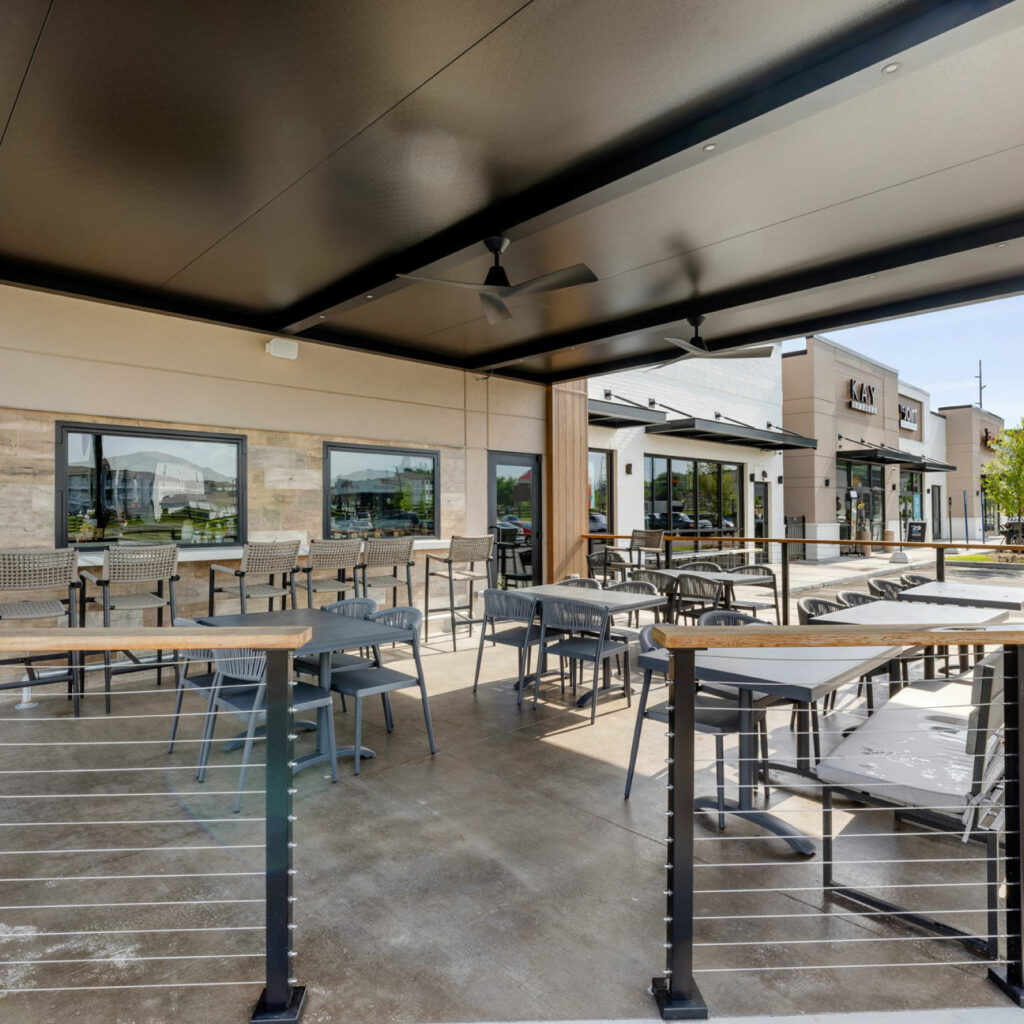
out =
column 567, row 277
column 689, row 349
column 494, row 309
column 743, row 353
column 480, row 289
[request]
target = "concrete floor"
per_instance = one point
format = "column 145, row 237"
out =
column 503, row 879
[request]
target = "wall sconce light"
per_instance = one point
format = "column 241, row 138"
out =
column 752, row 477
column 764, row 474
column 629, row 469
column 894, row 487
column 928, row 490
column 283, row 348
column 652, row 402
column 827, row 481
column 607, row 394
column 780, row 478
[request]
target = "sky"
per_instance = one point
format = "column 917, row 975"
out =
column 939, row 352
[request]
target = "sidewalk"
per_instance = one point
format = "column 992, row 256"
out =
column 851, row 569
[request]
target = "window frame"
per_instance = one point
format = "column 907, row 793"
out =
column 609, row 454
column 65, row 427
column 434, row 454
column 696, row 461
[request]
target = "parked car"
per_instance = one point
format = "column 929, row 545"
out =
column 408, row 521
column 598, row 523
column 520, row 524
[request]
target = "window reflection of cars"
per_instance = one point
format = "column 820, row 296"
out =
column 353, row 525
column 598, row 523
column 398, row 521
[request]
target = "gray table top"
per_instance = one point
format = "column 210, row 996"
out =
column 980, row 595
column 883, row 613
column 613, row 600
column 330, row 632
column 796, row 673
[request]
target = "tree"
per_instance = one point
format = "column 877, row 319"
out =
column 1003, row 477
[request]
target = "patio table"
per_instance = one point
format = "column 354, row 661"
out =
column 729, row 579
column 330, row 633
column 800, row 674
column 966, row 595
column 882, row 613
column 615, row 601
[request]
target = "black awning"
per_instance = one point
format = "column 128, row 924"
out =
column 882, row 456
column 731, row 433
column 618, row 414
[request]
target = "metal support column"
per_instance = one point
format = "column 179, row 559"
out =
column 1010, row 977
column 676, row 993
column 281, row 1001
column 785, row 584
column 940, row 564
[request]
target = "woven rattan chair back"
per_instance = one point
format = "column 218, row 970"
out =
column 402, row 617
column 507, row 534
column 354, row 607
column 915, row 579
column 887, row 590
column 508, row 606
column 756, row 570
column 663, row 582
column 37, row 569
column 698, row 566
column 811, row 607
column 646, row 539
column 470, row 549
column 579, row 581
column 851, row 598
column 727, row 617
column 574, row 616
column 133, row 564
column 381, row 552
column 334, row 554
column 633, row 586
column 241, row 665
column 695, row 588
column 270, row 557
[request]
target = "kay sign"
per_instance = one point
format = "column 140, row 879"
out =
column 862, row 396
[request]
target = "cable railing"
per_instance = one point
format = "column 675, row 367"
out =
column 905, row 813
column 733, row 548
column 120, row 873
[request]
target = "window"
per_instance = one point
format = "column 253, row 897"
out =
column 683, row 496
column 599, row 473
column 379, row 492
column 148, row 486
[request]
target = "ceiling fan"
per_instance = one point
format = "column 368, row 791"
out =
column 497, row 287
column 696, row 347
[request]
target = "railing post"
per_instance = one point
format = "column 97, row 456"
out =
column 668, row 553
column 676, row 993
column 281, row 1000
column 940, row 564
column 1010, row 977
column 785, row 584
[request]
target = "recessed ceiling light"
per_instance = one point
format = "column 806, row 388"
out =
column 369, row 296
column 872, row 275
column 891, row 69
column 710, row 147
column 1000, row 245
column 322, row 316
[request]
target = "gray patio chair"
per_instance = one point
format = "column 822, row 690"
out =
column 695, row 595
column 378, row 679
column 593, row 645
column 22, row 571
column 199, row 683
column 240, row 689
column 607, row 564
column 153, row 564
column 341, row 661
column 665, row 584
column 381, row 554
column 262, row 558
column 460, row 566
column 808, row 608
column 887, row 590
column 906, row 757
column 694, row 565
column 642, row 544
column 765, row 578
column 510, row 546
column 505, row 607
column 338, row 556
column 851, row 598
column 714, row 715
column 915, row 579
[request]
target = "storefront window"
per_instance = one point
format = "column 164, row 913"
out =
column 911, row 496
column 704, row 497
column 860, row 501
column 599, row 474
column 656, row 501
column 148, row 486
column 379, row 492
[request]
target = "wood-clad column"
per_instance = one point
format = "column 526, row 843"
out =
column 565, row 481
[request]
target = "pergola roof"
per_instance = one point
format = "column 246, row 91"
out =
column 274, row 168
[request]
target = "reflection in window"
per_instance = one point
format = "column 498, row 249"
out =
column 374, row 492
column 599, row 475
column 150, row 487
column 684, row 497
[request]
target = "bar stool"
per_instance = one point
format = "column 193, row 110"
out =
column 26, row 569
column 157, row 564
column 338, row 556
column 459, row 567
column 263, row 558
column 394, row 553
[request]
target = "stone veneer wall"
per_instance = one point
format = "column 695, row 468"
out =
column 285, row 497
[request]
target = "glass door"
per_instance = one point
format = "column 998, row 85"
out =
column 761, row 519
column 514, row 509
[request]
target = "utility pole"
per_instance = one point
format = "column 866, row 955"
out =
column 981, row 387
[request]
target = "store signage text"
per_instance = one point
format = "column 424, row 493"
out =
column 908, row 416
column 862, row 396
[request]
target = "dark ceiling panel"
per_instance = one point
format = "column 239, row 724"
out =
column 146, row 132
column 20, row 24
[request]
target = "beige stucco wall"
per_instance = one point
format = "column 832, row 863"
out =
column 68, row 359
column 965, row 449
